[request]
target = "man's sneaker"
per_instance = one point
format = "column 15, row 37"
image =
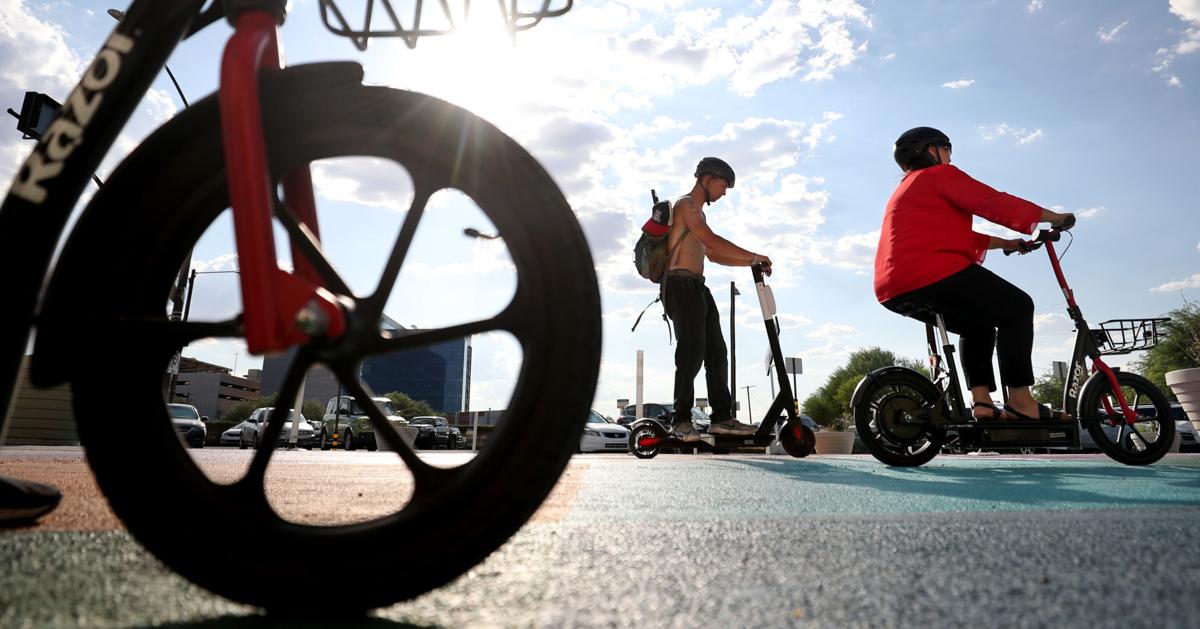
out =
column 731, row 427
column 22, row 502
column 685, row 432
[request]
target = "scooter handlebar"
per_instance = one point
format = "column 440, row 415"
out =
column 1041, row 236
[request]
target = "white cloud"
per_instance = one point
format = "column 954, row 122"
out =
column 828, row 331
column 1112, row 34
column 1189, row 12
column 1034, row 6
column 1003, row 130
column 1090, row 212
column 1170, row 287
column 25, row 37
column 1027, row 138
column 959, row 84
column 888, row 57
column 1198, row 247
column 854, row 252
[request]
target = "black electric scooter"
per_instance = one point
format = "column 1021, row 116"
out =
column 648, row 437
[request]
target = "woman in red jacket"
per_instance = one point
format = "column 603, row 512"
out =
column 929, row 256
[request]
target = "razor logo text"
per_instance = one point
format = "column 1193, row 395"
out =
column 66, row 132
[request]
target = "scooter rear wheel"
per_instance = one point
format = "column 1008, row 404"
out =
column 884, row 418
column 798, row 440
column 644, row 440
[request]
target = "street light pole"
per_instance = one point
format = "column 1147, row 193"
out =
column 733, row 292
column 749, row 409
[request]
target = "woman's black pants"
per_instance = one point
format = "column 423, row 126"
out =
column 986, row 311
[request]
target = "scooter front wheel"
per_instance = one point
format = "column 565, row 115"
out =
column 128, row 246
column 1142, row 442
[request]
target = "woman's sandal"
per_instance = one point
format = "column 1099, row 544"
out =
column 997, row 412
column 1045, row 414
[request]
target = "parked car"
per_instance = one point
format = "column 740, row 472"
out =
column 346, row 422
column 252, row 428
column 436, row 432
column 603, row 435
column 653, row 410
column 662, row 412
column 189, row 424
column 233, row 436
column 458, row 441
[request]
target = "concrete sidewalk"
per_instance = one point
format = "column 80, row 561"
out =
column 741, row 541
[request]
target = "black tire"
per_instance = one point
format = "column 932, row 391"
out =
column 134, row 236
column 348, row 442
column 324, row 441
column 797, row 440
column 1152, row 437
column 894, row 418
column 649, row 434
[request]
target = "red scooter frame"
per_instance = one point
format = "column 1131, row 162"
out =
column 280, row 309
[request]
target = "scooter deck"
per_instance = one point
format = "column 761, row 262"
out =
column 717, row 442
column 1019, row 434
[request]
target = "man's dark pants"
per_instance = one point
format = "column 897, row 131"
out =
column 698, row 339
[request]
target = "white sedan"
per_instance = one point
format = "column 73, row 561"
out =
column 602, row 435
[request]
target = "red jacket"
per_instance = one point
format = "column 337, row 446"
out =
column 926, row 234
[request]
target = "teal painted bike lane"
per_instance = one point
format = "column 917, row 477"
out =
column 674, row 487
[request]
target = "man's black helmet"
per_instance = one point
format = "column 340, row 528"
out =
column 715, row 167
column 914, row 141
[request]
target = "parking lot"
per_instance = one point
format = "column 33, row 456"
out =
column 698, row 540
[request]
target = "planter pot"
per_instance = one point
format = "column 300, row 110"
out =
column 1185, row 384
column 834, row 442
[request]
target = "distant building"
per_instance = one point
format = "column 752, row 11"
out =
column 436, row 374
column 211, row 388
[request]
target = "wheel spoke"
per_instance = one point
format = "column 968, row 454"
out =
column 256, row 475
column 400, row 340
column 161, row 332
column 303, row 239
column 426, row 478
column 373, row 306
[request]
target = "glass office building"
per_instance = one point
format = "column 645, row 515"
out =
column 437, row 374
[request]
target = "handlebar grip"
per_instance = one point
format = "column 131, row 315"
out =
column 758, row 274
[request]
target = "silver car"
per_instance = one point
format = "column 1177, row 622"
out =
column 253, row 427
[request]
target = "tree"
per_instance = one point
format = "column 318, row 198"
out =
column 408, row 407
column 1179, row 349
column 1048, row 389
column 829, row 405
column 312, row 410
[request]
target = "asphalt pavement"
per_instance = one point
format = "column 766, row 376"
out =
column 701, row 540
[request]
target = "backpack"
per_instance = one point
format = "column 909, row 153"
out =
column 650, row 253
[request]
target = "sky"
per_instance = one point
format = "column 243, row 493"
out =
column 1084, row 106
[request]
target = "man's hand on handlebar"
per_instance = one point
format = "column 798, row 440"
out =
column 762, row 262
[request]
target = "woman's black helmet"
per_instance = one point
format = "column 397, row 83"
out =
column 715, row 167
column 914, row 142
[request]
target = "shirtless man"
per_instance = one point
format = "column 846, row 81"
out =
column 690, row 304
